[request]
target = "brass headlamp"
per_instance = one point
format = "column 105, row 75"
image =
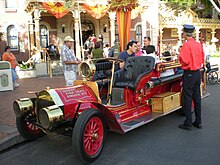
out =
column 50, row 115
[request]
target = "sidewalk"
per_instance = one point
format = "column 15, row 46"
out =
column 9, row 135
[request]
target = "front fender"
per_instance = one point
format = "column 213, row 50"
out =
column 110, row 118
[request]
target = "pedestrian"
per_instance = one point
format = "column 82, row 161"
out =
column 129, row 52
column 150, row 51
column 106, row 50
column 191, row 59
column 53, row 52
column 9, row 56
column 147, row 41
column 35, row 58
column 69, row 61
column 97, row 52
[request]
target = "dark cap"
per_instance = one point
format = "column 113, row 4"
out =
column 188, row 28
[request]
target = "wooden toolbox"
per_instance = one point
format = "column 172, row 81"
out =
column 165, row 102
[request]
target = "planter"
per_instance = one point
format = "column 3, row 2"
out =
column 26, row 73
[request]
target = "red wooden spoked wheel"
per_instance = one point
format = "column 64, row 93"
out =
column 89, row 135
column 93, row 136
column 27, row 129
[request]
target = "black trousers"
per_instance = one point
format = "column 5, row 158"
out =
column 191, row 92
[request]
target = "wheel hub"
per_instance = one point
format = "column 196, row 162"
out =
column 95, row 136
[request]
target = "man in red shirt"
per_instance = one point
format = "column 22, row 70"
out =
column 191, row 59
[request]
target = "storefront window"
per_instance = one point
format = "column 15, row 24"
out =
column 43, row 36
column 10, row 4
column 139, row 33
column 116, row 33
column 12, row 37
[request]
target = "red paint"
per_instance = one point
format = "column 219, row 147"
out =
column 72, row 96
column 93, row 136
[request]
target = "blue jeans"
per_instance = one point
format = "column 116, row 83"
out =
column 13, row 74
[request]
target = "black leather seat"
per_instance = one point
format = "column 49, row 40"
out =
column 134, row 69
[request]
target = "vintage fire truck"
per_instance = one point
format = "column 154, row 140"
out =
column 104, row 99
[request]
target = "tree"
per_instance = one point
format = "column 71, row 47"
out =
column 216, row 4
column 200, row 6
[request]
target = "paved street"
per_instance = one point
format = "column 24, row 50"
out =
column 160, row 142
column 7, row 116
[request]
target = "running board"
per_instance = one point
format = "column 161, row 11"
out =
column 130, row 125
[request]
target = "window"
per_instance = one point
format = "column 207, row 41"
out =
column 43, row 36
column 174, row 33
column 139, row 33
column 12, row 37
column 10, row 4
column 116, row 33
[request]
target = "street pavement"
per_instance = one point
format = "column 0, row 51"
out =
column 160, row 142
column 9, row 135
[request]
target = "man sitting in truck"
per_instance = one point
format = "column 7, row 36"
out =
column 150, row 51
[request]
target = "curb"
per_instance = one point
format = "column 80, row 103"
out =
column 10, row 141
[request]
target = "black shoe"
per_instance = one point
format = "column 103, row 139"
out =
column 185, row 127
column 199, row 126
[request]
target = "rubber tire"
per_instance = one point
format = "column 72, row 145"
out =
column 78, row 132
column 212, row 77
column 25, row 133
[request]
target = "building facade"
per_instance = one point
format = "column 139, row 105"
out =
column 27, row 23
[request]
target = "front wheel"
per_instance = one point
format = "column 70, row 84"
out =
column 89, row 135
column 27, row 129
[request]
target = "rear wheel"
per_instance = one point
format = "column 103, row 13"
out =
column 27, row 129
column 89, row 135
column 212, row 77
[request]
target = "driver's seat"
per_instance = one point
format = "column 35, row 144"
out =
column 134, row 69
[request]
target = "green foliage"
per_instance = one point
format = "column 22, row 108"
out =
column 182, row 2
column 201, row 7
column 216, row 55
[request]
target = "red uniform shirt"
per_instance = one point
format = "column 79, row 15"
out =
column 191, row 55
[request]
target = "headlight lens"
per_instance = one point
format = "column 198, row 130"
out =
column 22, row 106
column 50, row 115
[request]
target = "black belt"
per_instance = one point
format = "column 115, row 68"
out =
column 190, row 71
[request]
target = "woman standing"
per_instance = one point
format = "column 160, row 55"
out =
column 9, row 56
column 97, row 52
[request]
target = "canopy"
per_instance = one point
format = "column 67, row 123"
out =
column 55, row 8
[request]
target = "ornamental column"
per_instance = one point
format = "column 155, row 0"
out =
column 112, row 16
column 161, row 40
column 197, row 33
column 179, row 31
column 213, row 40
column 37, row 28
column 144, row 23
column 77, row 37
column 31, row 32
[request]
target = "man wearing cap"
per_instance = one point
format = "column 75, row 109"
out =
column 191, row 59
column 69, row 61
